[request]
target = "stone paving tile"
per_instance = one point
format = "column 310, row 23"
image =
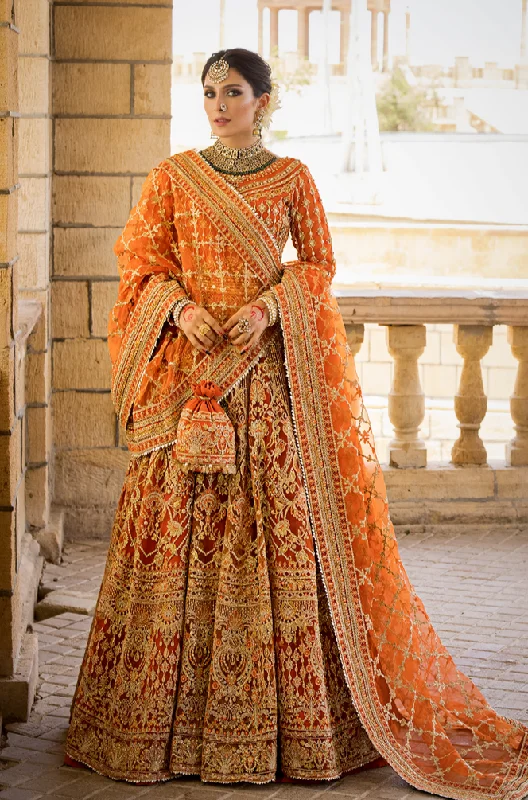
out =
column 474, row 586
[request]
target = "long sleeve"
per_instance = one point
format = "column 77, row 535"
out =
column 150, row 271
column 147, row 252
column 309, row 227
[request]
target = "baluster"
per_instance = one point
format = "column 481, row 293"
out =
column 406, row 344
column 355, row 335
column 517, row 450
column 472, row 343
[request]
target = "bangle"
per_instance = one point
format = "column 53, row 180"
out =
column 270, row 301
column 178, row 308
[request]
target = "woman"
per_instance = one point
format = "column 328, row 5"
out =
column 254, row 617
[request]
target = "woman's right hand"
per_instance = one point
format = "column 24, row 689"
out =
column 191, row 318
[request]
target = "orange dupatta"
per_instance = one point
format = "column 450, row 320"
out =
column 423, row 715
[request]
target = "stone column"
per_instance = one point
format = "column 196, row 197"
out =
column 344, row 33
column 524, row 25
column 517, row 450
column 105, row 144
column 355, row 335
column 472, row 343
column 374, row 39
column 260, row 29
column 34, row 224
column 386, row 41
column 303, row 32
column 274, row 30
column 406, row 343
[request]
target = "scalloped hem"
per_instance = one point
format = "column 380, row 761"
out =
column 278, row 777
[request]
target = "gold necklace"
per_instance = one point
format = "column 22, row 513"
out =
column 238, row 160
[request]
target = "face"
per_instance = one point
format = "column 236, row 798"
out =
column 237, row 96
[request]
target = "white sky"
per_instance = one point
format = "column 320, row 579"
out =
column 484, row 30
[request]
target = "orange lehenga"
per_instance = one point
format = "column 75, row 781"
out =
column 261, row 621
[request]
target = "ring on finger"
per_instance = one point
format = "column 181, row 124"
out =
column 243, row 324
column 204, row 329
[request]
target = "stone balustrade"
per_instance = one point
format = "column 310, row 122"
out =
column 473, row 314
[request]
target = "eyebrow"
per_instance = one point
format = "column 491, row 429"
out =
column 227, row 86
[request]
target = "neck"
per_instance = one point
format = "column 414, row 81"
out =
column 239, row 140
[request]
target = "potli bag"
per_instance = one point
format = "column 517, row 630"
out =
column 205, row 437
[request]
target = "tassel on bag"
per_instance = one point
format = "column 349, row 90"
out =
column 205, row 437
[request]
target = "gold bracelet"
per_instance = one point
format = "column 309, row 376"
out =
column 270, row 301
column 178, row 308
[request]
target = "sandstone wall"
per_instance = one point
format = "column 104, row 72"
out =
column 111, row 106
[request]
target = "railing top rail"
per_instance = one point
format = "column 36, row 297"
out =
column 418, row 306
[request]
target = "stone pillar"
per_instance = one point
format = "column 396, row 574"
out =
column 35, row 243
column 274, row 30
column 385, row 41
column 344, row 33
column 20, row 560
column 303, row 32
column 374, row 39
column 260, row 29
column 105, row 144
column 11, row 381
column 406, row 343
column 472, row 343
column 524, row 25
column 517, row 450
column 355, row 335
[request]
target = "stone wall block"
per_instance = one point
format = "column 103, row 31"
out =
column 33, row 21
column 37, row 495
column 85, row 251
column 81, row 364
column 86, row 200
column 96, row 476
column 9, row 131
column 110, row 145
column 6, row 307
column 10, row 463
column 101, row 33
column 8, row 75
column 34, row 146
column 38, row 434
column 8, row 225
column 152, row 89
column 33, row 263
column 34, row 85
column 7, row 388
column 7, row 551
column 34, row 212
column 69, row 309
column 38, row 377
column 91, row 88
column 104, row 296
column 83, row 420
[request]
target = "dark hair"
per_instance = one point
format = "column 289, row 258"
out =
column 251, row 66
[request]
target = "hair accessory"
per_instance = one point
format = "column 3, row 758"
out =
column 218, row 71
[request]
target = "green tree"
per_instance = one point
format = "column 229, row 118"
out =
column 402, row 107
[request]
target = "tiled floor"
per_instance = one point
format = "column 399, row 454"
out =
column 474, row 584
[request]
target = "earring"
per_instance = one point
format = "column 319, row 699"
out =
column 257, row 129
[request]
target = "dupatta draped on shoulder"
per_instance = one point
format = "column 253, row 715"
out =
column 423, row 715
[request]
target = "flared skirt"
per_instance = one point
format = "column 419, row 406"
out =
column 211, row 650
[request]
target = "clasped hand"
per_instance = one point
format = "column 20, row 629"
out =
column 204, row 331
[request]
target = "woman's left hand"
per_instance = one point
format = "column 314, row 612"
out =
column 257, row 314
